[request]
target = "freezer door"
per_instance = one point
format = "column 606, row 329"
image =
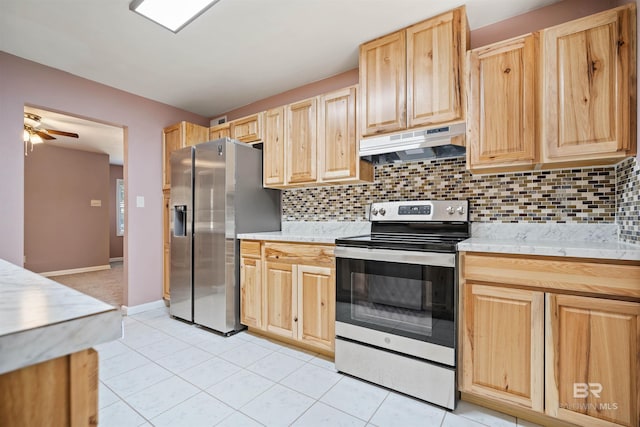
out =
column 209, row 236
column 181, row 303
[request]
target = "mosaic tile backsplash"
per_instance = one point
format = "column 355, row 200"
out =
column 572, row 195
column 628, row 200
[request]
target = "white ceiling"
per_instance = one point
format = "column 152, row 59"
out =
column 237, row 52
column 92, row 136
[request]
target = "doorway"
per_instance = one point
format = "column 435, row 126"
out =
column 75, row 228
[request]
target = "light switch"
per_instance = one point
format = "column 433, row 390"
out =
column 96, row 203
column 139, row 201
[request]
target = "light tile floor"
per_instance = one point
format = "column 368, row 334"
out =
column 167, row 373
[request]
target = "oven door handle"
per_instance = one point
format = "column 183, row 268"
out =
column 406, row 257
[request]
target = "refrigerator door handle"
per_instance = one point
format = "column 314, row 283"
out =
column 180, row 221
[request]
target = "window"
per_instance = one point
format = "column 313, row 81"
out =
column 120, row 207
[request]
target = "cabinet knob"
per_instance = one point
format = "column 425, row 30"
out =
column 295, row 319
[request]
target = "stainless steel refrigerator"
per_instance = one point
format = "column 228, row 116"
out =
column 216, row 193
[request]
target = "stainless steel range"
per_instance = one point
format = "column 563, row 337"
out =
column 396, row 311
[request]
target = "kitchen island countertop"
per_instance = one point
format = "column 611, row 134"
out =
column 41, row 319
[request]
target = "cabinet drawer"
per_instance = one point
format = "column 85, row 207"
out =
column 322, row 255
column 554, row 274
column 250, row 248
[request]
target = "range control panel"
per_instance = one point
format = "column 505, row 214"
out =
column 414, row 210
column 423, row 210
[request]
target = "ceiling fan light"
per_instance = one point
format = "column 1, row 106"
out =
column 25, row 135
column 170, row 14
column 36, row 139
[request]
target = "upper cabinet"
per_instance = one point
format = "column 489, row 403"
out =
column 219, row 131
column 383, row 73
column 501, row 105
column 563, row 97
column 588, row 87
column 337, row 140
column 301, row 125
column 435, row 57
column 414, row 76
column 314, row 142
column 247, row 129
column 273, row 149
column 175, row 137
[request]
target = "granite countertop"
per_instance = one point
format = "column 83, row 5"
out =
column 565, row 240
column 311, row 232
column 41, row 319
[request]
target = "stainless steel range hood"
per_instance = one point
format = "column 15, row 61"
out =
column 417, row 144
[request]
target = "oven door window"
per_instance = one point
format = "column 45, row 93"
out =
column 410, row 300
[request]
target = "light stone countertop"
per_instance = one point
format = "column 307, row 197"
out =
column 311, row 232
column 599, row 241
column 41, row 319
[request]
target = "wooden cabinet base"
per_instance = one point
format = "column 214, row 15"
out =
column 291, row 342
column 515, row 411
column 58, row 392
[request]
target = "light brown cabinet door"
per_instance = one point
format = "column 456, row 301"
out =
column 316, row 306
column 166, row 235
column 435, row 58
column 501, row 116
column 175, row 137
column 274, row 147
column 280, row 301
column 301, row 141
column 383, row 70
column 171, row 141
column 592, row 359
column 247, row 129
column 220, row 131
column 502, row 345
column 588, row 86
column 337, row 134
column 251, row 292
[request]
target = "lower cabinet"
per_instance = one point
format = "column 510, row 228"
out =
column 530, row 342
column 592, row 357
column 57, row 392
column 280, row 301
column 289, row 292
column 504, row 336
column 166, row 246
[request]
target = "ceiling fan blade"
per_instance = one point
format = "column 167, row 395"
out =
column 61, row 133
column 43, row 135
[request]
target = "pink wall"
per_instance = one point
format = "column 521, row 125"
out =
column 538, row 19
column 116, row 243
column 25, row 82
column 338, row 81
column 62, row 230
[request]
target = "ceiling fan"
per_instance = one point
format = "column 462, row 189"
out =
column 34, row 134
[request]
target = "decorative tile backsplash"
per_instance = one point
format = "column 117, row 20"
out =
column 628, row 199
column 572, row 195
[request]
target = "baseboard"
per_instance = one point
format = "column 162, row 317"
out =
column 75, row 270
column 116, row 259
column 135, row 309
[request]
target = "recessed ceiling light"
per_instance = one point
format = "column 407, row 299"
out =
column 171, row 14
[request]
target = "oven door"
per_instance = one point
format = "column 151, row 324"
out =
column 403, row 301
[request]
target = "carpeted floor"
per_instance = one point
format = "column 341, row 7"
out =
column 105, row 285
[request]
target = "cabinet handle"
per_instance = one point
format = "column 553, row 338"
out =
column 295, row 319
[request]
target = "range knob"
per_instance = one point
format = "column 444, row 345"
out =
column 450, row 210
column 382, row 211
column 460, row 210
column 374, row 211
